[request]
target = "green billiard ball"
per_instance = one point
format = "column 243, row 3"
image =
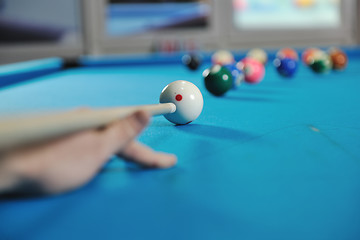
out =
column 218, row 80
column 322, row 64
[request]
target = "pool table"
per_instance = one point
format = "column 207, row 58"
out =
column 276, row 160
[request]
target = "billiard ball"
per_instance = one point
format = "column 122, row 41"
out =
column 307, row 55
column 320, row 62
column 187, row 98
column 287, row 53
column 338, row 58
column 192, row 61
column 254, row 71
column 222, row 57
column 218, row 80
column 237, row 75
column 286, row 67
column 258, row 54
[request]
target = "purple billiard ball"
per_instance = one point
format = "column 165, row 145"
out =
column 237, row 75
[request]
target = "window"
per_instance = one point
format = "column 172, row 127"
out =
column 131, row 17
column 289, row 14
column 39, row 21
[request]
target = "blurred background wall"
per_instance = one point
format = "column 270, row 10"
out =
column 66, row 28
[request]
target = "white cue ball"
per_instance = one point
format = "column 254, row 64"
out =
column 187, row 98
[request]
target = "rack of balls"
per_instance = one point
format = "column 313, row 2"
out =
column 226, row 73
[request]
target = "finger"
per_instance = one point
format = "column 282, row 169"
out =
column 117, row 135
column 145, row 156
column 82, row 109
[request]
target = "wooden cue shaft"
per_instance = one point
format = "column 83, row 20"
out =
column 30, row 129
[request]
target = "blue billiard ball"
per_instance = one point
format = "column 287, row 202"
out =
column 237, row 75
column 286, row 67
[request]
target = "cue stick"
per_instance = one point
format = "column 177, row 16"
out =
column 34, row 128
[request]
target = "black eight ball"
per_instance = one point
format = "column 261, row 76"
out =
column 192, row 61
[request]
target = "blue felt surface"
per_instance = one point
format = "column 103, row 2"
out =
column 278, row 160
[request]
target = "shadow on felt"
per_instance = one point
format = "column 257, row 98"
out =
column 251, row 99
column 215, row 132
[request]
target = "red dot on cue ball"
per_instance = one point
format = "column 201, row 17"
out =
column 178, row 97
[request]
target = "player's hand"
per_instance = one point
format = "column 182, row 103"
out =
column 70, row 162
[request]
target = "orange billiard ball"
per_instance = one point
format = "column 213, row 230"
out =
column 288, row 53
column 308, row 55
column 338, row 58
